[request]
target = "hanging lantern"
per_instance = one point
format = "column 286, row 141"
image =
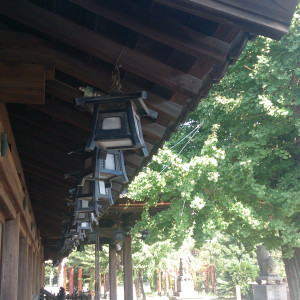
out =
column 107, row 166
column 144, row 234
column 119, row 236
column 84, row 226
column 81, row 217
column 96, row 191
column 116, row 121
column 84, row 207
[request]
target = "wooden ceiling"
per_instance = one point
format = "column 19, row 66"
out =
column 175, row 50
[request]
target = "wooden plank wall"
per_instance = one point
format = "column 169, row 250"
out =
column 21, row 252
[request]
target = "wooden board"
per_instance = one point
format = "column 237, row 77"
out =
column 100, row 46
column 20, row 47
column 164, row 30
column 22, row 83
column 10, row 260
column 252, row 18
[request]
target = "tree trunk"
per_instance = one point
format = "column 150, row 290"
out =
column 139, row 287
column 141, row 277
column 292, row 269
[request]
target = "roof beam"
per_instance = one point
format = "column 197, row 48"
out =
column 153, row 101
column 161, row 29
column 22, row 83
column 269, row 18
column 83, row 121
column 20, row 47
column 48, row 152
column 32, row 132
column 101, row 47
column 41, row 120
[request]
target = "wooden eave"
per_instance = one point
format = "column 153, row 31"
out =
column 175, row 50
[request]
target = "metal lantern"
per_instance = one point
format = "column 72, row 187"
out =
column 116, row 121
column 84, row 226
column 107, row 166
column 119, row 236
column 83, row 206
column 81, row 217
column 96, row 191
column 144, row 234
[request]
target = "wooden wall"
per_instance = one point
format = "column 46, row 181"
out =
column 21, row 252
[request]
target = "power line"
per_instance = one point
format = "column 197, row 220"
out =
column 192, row 134
column 197, row 127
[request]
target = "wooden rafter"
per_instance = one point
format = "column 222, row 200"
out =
column 20, row 47
column 22, row 83
column 163, row 30
column 155, row 102
column 101, row 47
column 269, row 18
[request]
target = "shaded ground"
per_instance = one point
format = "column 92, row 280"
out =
column 200, row 297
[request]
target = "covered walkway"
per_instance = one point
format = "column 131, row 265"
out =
column 52, row 52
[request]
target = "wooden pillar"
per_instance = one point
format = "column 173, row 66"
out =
column 71, row 280
column 167, row 282
column 91, row 281
column 23, row 268
column 43, row 272
column 100, row 282
column 65, row 277
column 10, row 260
column 30, row 272
column 38, row 272
column 104, row 283
column 113, row 271
column 158, row 282
column 128, row 282
column 79, row 280
column 97, row 269
column 34, row 261
column 1, row 231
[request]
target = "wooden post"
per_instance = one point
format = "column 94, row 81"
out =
column 113, row 271
column 30, row 272
column 128, row 282
column 33, row 283
column 104, row 283
column 167, row 282
column 10, row 260
column 23, row 268
column 79, row 280
column 71, row 280
column 212, row 279
column 100, row 279
column 158, row 282
column 59, row 277
column 1, row 230
column 91, row 281
column 65, row 277
column 97, row 268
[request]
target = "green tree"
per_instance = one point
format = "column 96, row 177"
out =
column 240, row 172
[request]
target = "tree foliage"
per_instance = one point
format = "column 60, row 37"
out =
column 240, row 172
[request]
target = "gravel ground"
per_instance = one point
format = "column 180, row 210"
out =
column 199, row 297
